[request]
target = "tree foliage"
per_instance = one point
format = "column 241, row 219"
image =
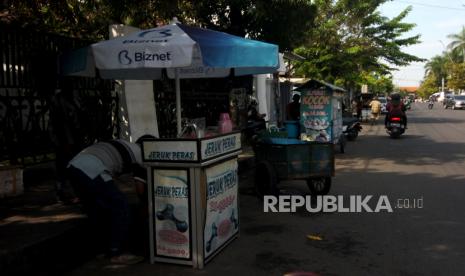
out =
column 457, row 76
column 449, row 66
column 377, row 83
column 283, row 22
column 85, row 18
column 351, row 37
column 457, row 46
column 428, row 86
column 347, row 42
column 437, row 68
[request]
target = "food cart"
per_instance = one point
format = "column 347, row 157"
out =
column 192, row 181
column 321, row 113
column 193, row 203
column 286, row 158
column 311, row 157
column 366, row 99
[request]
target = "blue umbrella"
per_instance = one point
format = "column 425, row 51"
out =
column 176, row 48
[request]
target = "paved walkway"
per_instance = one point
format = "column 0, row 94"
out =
column 43, row 237
column 34, row 228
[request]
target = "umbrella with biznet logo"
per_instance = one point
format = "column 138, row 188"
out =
column 184, row 51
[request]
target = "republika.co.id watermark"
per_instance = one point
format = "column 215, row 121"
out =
column 341, row 204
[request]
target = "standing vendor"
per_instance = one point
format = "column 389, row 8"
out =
column 293, row 108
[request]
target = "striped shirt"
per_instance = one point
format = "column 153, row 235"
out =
column 107, row 159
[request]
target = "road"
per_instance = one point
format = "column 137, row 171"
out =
column 427, row 163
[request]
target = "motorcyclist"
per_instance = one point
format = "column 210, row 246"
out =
column 252, row 112
column 255, row 120
column 430, row 102
column 396, row 108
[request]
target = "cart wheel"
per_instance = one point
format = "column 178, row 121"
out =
column 266, row 179
column 352, row 135
column 319, row 186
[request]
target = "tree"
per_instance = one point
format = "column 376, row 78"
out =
column 377, row 84
column 457, row 76
column 437, row 68
column 88, row 19
column 351, row 37
column 428, row 86
column 283, row 22
column 458, row 43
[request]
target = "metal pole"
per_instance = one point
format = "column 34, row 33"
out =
column 178, row 101
column 445, row 50
column 442, row 84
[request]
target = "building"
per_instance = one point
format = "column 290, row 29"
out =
column 410, row 90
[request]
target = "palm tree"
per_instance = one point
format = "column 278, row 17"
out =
column 458, row 43
column 436, row 66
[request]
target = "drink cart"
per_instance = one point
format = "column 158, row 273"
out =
column 287, row 158
column 321, row 113
column 311, row 157
column 193, row 197
column 366, row 98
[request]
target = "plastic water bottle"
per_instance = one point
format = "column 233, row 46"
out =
column 224, row 124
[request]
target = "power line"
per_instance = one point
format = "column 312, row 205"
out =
column 431, row 6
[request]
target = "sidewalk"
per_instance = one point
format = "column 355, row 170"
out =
column 37, row 234
column 42, row 237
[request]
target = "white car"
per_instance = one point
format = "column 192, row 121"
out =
column 443, row 95
column 383, row 104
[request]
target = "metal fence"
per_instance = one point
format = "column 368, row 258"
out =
column 28, row 83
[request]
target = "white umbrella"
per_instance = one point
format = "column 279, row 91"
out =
column 194, row 51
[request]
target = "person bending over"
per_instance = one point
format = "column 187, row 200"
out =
column 92, row 173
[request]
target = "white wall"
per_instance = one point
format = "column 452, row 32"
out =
column 266, row 88
column 262, row 96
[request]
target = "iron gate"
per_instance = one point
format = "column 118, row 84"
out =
column 28, row 83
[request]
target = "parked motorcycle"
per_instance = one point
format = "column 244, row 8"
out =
column 351, row 127
column 395, row 126
column 255, row 122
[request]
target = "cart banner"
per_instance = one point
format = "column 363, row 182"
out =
column 218, row 146
column 222, row 218
column 171, row 205
column 316, row 116
column 170, row 151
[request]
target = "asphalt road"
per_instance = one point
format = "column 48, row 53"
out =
column 427, row 163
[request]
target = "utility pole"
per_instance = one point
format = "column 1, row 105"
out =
column 445, row 50
column 442, row 84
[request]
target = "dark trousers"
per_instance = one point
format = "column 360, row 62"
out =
column 106, row 206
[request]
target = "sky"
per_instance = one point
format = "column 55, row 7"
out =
column 435, row 20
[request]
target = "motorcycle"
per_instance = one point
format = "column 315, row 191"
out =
column 408, row 104
column 395, row 126
column 350, row 128
column 255, row 124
